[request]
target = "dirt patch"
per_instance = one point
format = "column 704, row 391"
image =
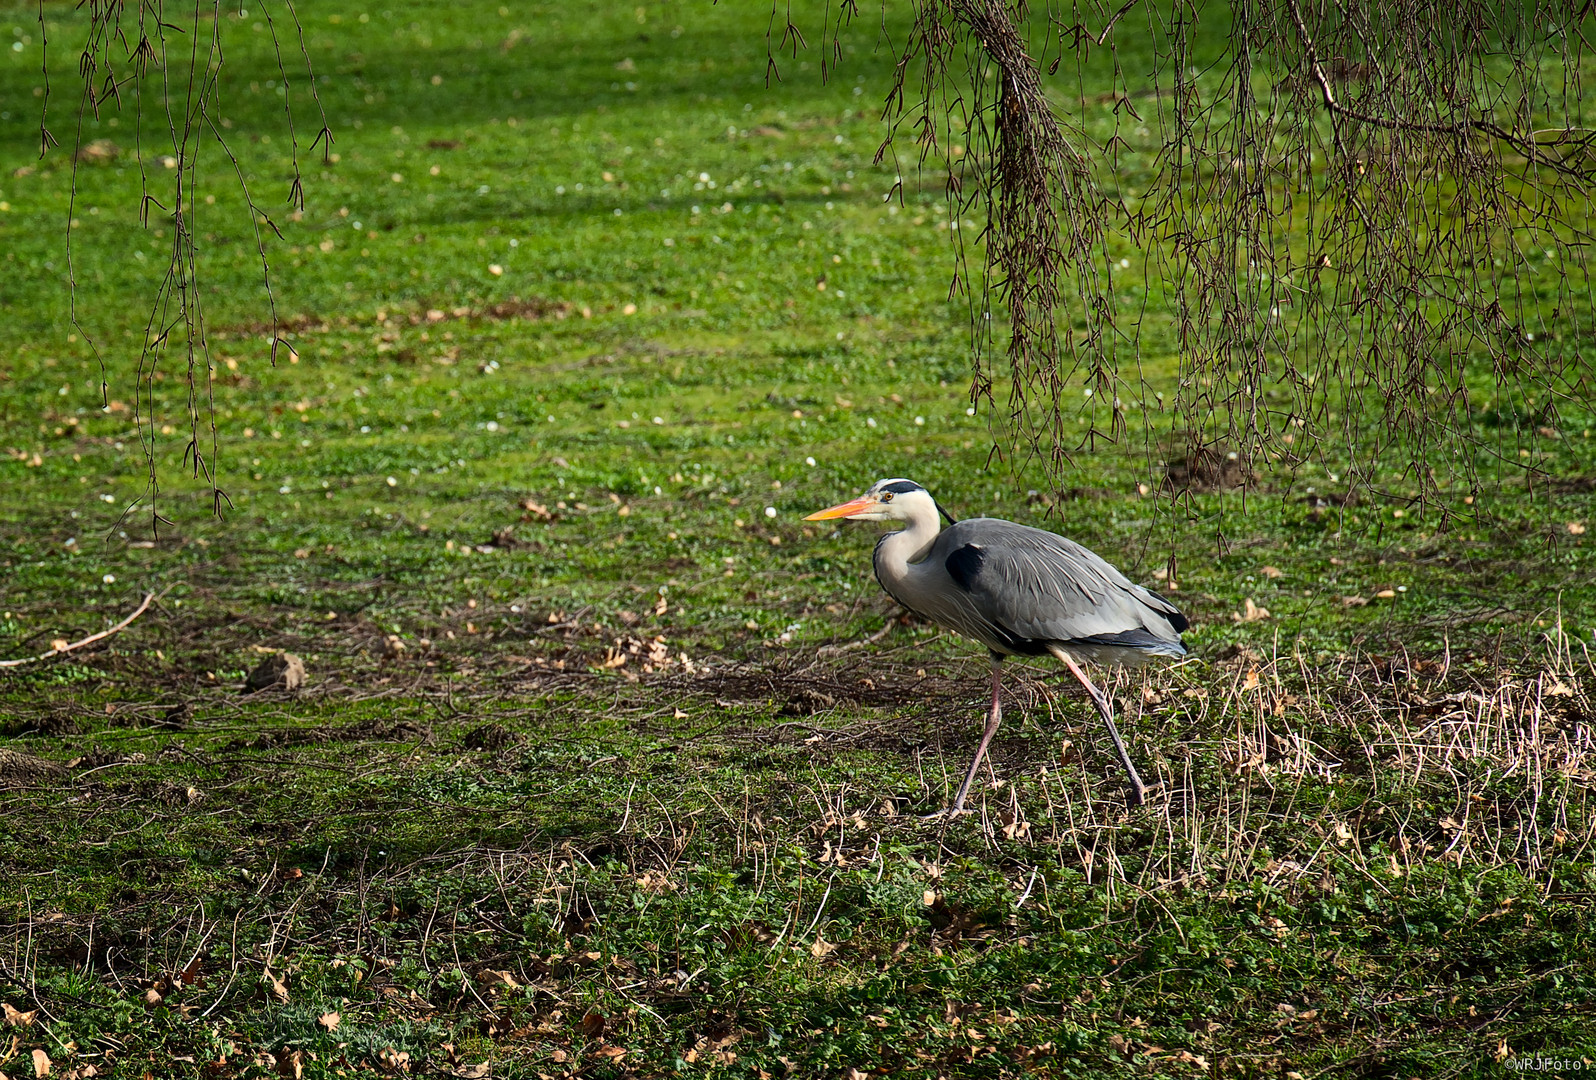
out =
column 505, row 540
column 1208, row 468
column 292, row 324
column 531, row 309
column 98, row 757
column 175, row 715
column 379, row 731
column 1237, row 654
column 810, row 686
column 516, row 308
column 52, row 725
column 806, row 701
column 490, row 737
column 360, row 731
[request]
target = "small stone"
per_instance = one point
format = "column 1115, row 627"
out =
column 281, row 671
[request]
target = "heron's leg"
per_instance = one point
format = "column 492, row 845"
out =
column 1106, row 710
column 993, row 719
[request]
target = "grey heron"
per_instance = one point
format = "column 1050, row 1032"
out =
column 1017, row 590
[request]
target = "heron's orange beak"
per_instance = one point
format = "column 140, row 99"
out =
column 842, row 510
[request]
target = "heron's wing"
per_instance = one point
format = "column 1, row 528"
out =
column 1039, row 586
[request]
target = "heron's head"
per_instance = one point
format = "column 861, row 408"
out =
column 887, row 500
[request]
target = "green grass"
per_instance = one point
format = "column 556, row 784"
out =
column 680, row 821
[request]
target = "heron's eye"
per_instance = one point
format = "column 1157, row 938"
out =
column 886, row 496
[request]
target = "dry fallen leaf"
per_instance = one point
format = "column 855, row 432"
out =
column 1576, row 528
column 276, row 986
column 1252, row 680
column 821, row 948
column 13, row 1018
column 1271, row 572
column 41, row 1063
column 329, row 1020
column 292, row 1065
column 393, row 1061
column 1353, row 601
column 1250, row 612
column 489, row 977
column 472, row 1072
column 593, row 1024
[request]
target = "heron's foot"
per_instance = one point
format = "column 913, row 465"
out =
column 1137, row 795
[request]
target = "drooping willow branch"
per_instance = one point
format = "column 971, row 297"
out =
column 162, row 63
column 1361, row 230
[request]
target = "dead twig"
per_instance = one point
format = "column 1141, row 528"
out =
column 91, row 639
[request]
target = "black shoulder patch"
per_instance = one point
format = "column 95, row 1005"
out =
column 903, row 487
column 964, row 565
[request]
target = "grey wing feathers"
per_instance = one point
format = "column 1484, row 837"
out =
column 1037, row 585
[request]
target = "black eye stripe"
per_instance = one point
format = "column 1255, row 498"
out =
column 903, row 487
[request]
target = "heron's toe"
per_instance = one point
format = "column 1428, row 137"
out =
column 1137, row 796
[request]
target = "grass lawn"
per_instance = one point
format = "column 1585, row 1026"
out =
column 604, row 764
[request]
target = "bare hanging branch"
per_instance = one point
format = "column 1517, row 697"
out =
column 1363, row 230
column 1365, row 227
column 162, row 63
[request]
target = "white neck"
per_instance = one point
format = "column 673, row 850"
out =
column 897, row 552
